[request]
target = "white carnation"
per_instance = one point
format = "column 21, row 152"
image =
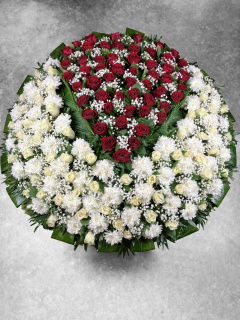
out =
column 73, row 225
column 112, row 196
column 58, row 167
column 91, row 204
column 190, row 211
column 131, row 216
column 81, row 148
column 165, row 146
column 172, row 204
column 194, row 144
column 187, row 124
column 39, row 206
column 103, row 169
column 193, row 102
column 165, row 176
column 34, row 166
column 154, row 231
column 186, row 165
column 98, row 223
column 142, row 166
column 215, row 187
column 62, row 122
column 50, row 145
column 144, row 192
column 51, row 185
column 196, row 84
column 54, row 100
column 225, row 154
column 113, row 237
column 10, row 144
column 18, row 170
column 71, row 203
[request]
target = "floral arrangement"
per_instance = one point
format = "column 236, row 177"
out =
column 118, row 143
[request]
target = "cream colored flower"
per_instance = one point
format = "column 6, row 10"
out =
column 11, row 158
column 58, row 199
column 225, row 172
column 188, row 153
column 191, row 114
column 81, row 214
column 150, row 216
column 213, row 130
column 179, row 188
column 27, row 153
column 199, row 158
column 127, row 234
column 26, row 193
column 38, row 99
column 11, row 125
column 27, row 123
column 47, row 171
column 202, row 136
column 208, row 88
column 89, row 238
column 70, row 176
column 51, row 71
column 203, row 97
column 176, row 154
column 45, row 125
column 91, row 158
column 158, row 197
column 41, row 194
column 151, row 180
column 68, row 132
column 206, row 174
column 53, row 109
column 76, row 192
column 50, row 157
column 181, row 134
column 37, row 139
column 202, row 206
column 125, row 179
column 65, row 157
column 94, row 186
column 20, row 134
column 134, row 201
column 50, row 90
column 118, row 224
column 51, row 221
column 201, row 112
column 213, row 151
column 172, row 225
column 224, row 108
column 176, row 170
column 105, row 210
column 228, row 136
column 156, row 155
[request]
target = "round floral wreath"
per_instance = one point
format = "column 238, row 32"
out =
column 117, row 142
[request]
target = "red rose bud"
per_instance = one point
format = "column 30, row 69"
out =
column 181, row 87
column 164, row 105
column 129, row 111
column 118, row 95
column 133, row 57
column 148, row 99
column 160, row 44
column 102, row 95
column 93, row 83
column 185, row 75
column 65, row 64
column 68, row 75
column 175, row 53
column 82, row 60
column 133, row 71
column 141, row 130
column 167, row 56
column 108, row 107
column 118, row 45
column 167, row 78
column 130, row 81
column 86, row 70
column 134, row 49
column 109, row 143
column 115, row 36
column 109, row 77
column 134, row 93
column 152, row 52
column 89, row 113
column 161, row 117
column 121, row 122
column 100, row 66
column 154, row 74
column 147, row 83
column 82, row 100
column 160, row 91
column 91, row 38
column 144, row 111
column 168, row 68
column 87, row 46
column 182, row 63
column 105, row 45
column 150, row 64
column 118, row 68
column 99, row 59
column 100, row 128
column 177, row 96
column 137, row 38
column 77, row 43
column 121, row 155
column 66, row 51
column 111, row 58
column 76, row 86
column 134, row 143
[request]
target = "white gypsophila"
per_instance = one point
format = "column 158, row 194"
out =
column 189, row 211
column 144, row 192
column 196, row 84
column 39, row 206
column 98, row 223
column 81, row 148
column 18, row 170
column 166, row 176
column 10, row 144
column 112, row 196
column 186, row 165
column 71, row 203
column 225, row 154
column 131, row 216
column 154, row 231
column 187, row 124
column 190, row 188
column 51, row 185
column 34, row 166
column 215, row 186
column 210, row 120
column 103, row 169
column 53, row 100
column 193, row 102
column 113, row 237
column 194, row 144
column 172, row 204
column 91, row 204
column 62, row 122
column 165, row 145
column 50, row 145
column 73, row 225
column 34, row 113
column 81, row 179
column 58, row 167
column 142, row 166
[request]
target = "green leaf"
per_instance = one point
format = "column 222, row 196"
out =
column 105, row 247
column 131, row 32
column 57, row 53
column 85, row 221
column 148, row 122
column 143, row 245
column 100, row 35
column 128, row 165
column 68, row 96
column 26, row 80
column 134, row 65
column 218, row 199
column 189, row 228
column 141, row 150
column 122, row 132
column 33, row 191
column 231, row 117
column 233, row 161
column 82, row 127
column 65, row 237
column 5, row 166
column 8, row 119
column 16, row 195
column 205, row 74
column 137, row 86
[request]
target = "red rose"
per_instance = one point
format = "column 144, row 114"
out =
column 118, row 45
column 76, row 86
column 100, row 66
column 148, row 99
column 147, row 83
column 164, row 105
column 77, row 43
column 142, row 130
column 111, row 58
column 118, row 95
column 82, row 60
column 154, row 74
column 86, row 70
column 167, row 56
column 121, row 155
column 137, row 38
column 102, row 95
column 109, row 77
column 168, row 68
column 66, row 51
column 121, row 122
column 87, row 46
column 134, row 93
column 93, row 83
column 134, row 49
column 152, row 52
column 108, row 107
column 91, row 38
column 100, row 128
column 65, row 64
column 181, row 87
column 185, row 75
column 118, row 68
column 150, row 64
column 161, row 117
column 68, row 75
column 105, row 45
column 99, row 59
column 160, row 44
column 83, row 99
column 177, row 96
column 129, row 111
column 133, row 143
column 175, row 53
column 160, row 91
column 115, row 36
column 109, row 143
column 182, row 63
column 133, row 57
column 133, row 70
column 89, row 113
column 167, row 78
column 130, row 81
column 144, row 111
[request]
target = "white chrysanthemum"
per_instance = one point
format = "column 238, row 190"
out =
column 215, row 100
column 165, row 176
column 190, row 188
column 31, row 91
column 73, row 225
column 187, row 124
column 103, row 169
column 39, row 206
column 194, row 144
column 131, row 216
column 196, row 84
column 186, row 165
column 50, row 145
column 112, row 196
column 91, row 204
column 62, row 122
column 215, row 140
column 172, row 204
column 50, row 62
column 215, row 187
column 193, row 102
column 15, row 112
column 211, row 163
column 190, row 211
column 210, row 120
column 18, row 125
column 34, row 166
column 81, row 148
column 113, row 237
column 225, row 154
column 165, row 145
column 223, row 123
column 192, row 69
column 98, row 223
column 51, row 185
column 53, row 100
column 18, row 170
column 142, row 166
column 154, row 231
column 81, row 179
column 10, row 144
column 34, row 113
column 71, row 203
column 144, row 192
column 58, row 167
column 51, row 81
column 25, row 143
